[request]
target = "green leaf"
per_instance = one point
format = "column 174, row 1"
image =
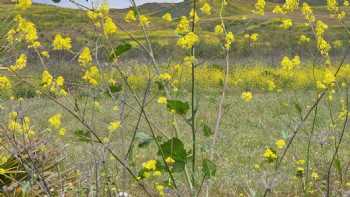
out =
column 209, row 168
column 338, row 166
column 82, row 135
column 179, row 107
column 207, row 130
column 143, row 138
column 175, row 149
column 119, row 50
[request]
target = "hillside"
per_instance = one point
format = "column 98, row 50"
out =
column 238, row 18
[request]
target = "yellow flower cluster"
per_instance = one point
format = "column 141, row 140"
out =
column 289, row 64
column 21, row 63
column 286, row 23
column 188, row 41
column 130, row 16
column 144, row 20
column 20, row 126
column 183, row 26
column 150, row 169
column 85, row 57
column 322, row 45
column 219, row 29
column 101, row 18
column 260, row 7
column 308, row 13
column 92, row 75
column 247, row 96
column 24, row 4
column 167, row 17
column 288, row 6
column 23, row 31
column 5, row 83
column 113, row 126
column 61, row 43
column 206, row 9
column 165, row 77
column 280, row 144
column 229, row 39
column 55, row 86
column 193, row 15
column 162, row 100
column 55, row 122
column 270, row 155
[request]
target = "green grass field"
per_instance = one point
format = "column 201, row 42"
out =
column 69, row 128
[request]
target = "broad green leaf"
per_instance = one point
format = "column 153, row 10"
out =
column 82, row 135
column 207, row 130
column 175, row 149
column 179, row 107
column 208, row 168
column 119, row 50
column 143, row 138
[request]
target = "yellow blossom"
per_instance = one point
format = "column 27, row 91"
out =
column 170, row 161
column 62, row 131
column 24, row 4
column 229, row 39
column 254, row 37
column 183, row 26
column 260, row 7
column 92, row 75
column 46, row 78
column 188, row 41
column 61, row 43
column 130, row 16
column 206, row 9
column 55, row 121
column 150, row 165
column 167, row 17
column 286, row 23
column 247, row 96
column 162, row 100
column 270, row 155
column 280, row 144
column 21, row 63
column 315, row 176
column 85, row 56
column 219, row 29
column 109, row 27
column 144, row 20
column 160, row 189
column 165, row 76
column 113, row 126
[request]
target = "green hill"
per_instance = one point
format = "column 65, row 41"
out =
column 238, row 17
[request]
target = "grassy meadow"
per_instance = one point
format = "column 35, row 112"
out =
column 242, row 101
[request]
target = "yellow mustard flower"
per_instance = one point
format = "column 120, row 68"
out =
column 167, row 17
column 21, row 63
column 24, row 4
column 188, row 41
column 280, row 143
column 130, row 16
column 206, row 9
column 55, row 121
column 113, row 126
column 247, row 96
column 109, row 27
column 150, row 165
column 61, row 43
column 270, row 155
column 162, row 100
column 85, row 56
column 92, row 75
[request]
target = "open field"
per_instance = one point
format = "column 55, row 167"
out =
column 234, row 100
